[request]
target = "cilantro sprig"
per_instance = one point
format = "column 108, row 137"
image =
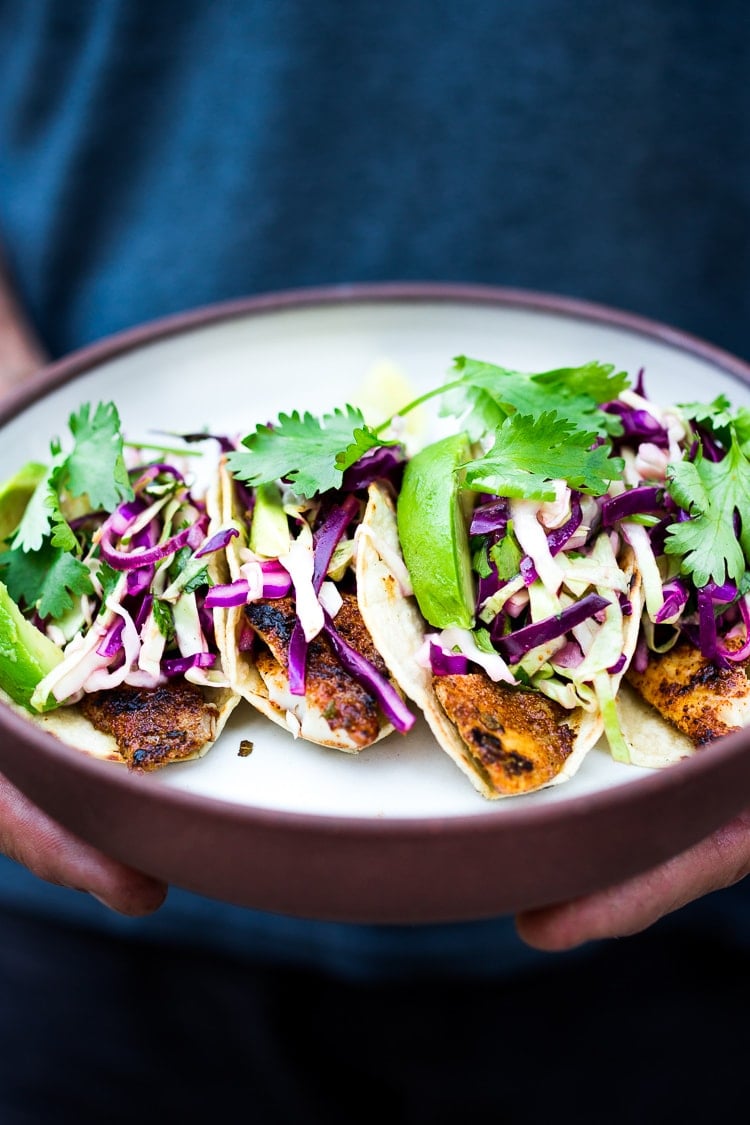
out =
column 484, row 395
column 722, row 422
column 47, row 579
column 311, row 453
column 531, row 452
column 710, row 545
column 43, row 568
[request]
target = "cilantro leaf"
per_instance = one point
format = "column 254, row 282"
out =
column 365, row 439
column 476, row 400
column 108, row 579
column 312, row 453
column 484, row 395
column 42, row 509
column 721, row 420
column 164, row 618
column 741, row 425
column 45, row 580
column 711, row 491
column 506, row 555
column 200, row 578
column 95, row 467
column 530, row 452
column 716, row 414
column 594, row 380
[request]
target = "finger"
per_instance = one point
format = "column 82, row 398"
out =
column 39, row 843
column 718, row 861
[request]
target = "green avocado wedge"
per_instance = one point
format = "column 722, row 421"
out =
column 26, row 655
column 269, row 528
column 15, row 494
column 432, row 529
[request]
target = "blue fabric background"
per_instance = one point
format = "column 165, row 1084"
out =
column 158, row 156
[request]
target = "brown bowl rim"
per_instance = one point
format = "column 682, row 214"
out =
column 686, row 773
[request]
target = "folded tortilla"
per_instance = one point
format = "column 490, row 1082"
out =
column 147, row 728
column 507, row 740
column 337, row 712
column 70, row 725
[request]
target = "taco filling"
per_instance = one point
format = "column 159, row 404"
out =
column 684, row 505
column 295, row 643
column 110, row 566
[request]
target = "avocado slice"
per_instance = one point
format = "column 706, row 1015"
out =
column 15, row 494
column 26, row 655
column 432, row 527
column 269, row 529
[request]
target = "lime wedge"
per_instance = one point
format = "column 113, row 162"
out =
column 383, row 391
column 15, row 494
column 26, row 655
column 433, row 533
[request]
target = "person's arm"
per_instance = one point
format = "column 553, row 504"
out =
column 21, row 353
column 719, row 861
column 28, row 835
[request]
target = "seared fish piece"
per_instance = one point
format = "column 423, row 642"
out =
column 701, row 700
column 336, row 709
column 519, row 739
column 154, row 726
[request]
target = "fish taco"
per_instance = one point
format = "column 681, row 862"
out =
column 294, row 640
column 108, row 635
column 511, row 727
column 577, row 566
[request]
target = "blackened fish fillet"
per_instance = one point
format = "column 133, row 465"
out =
column 519, row 739
column 154, row 726
column 335, row 707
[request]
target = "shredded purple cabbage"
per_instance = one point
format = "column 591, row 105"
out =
column 488, row 585
column 224, row 596
column 708, row 636
column 154, row 470
column 276, row 580
column 638, row 425
column 675, row 599
column 712, row 451
column 360, row 669
column 325, row 541
column 125, row 514
column 382, row 463
column 447, row 663
column 645, row 499
column 217, row 542
column 328, row 536
column 528, row 570
column 248, row 639
column 514, row 646
column 297, row 660
column 181, row 664
column 559, row 536
column 130, row 560
column 139, row 618
column 490, row 517
column 743, row 652
column 111, row 643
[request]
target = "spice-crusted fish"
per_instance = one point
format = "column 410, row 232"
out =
column 292, row 565
column 154, row 726
column 520, row 740
column 701, row 700
column 335, row 709
column 507, row 740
